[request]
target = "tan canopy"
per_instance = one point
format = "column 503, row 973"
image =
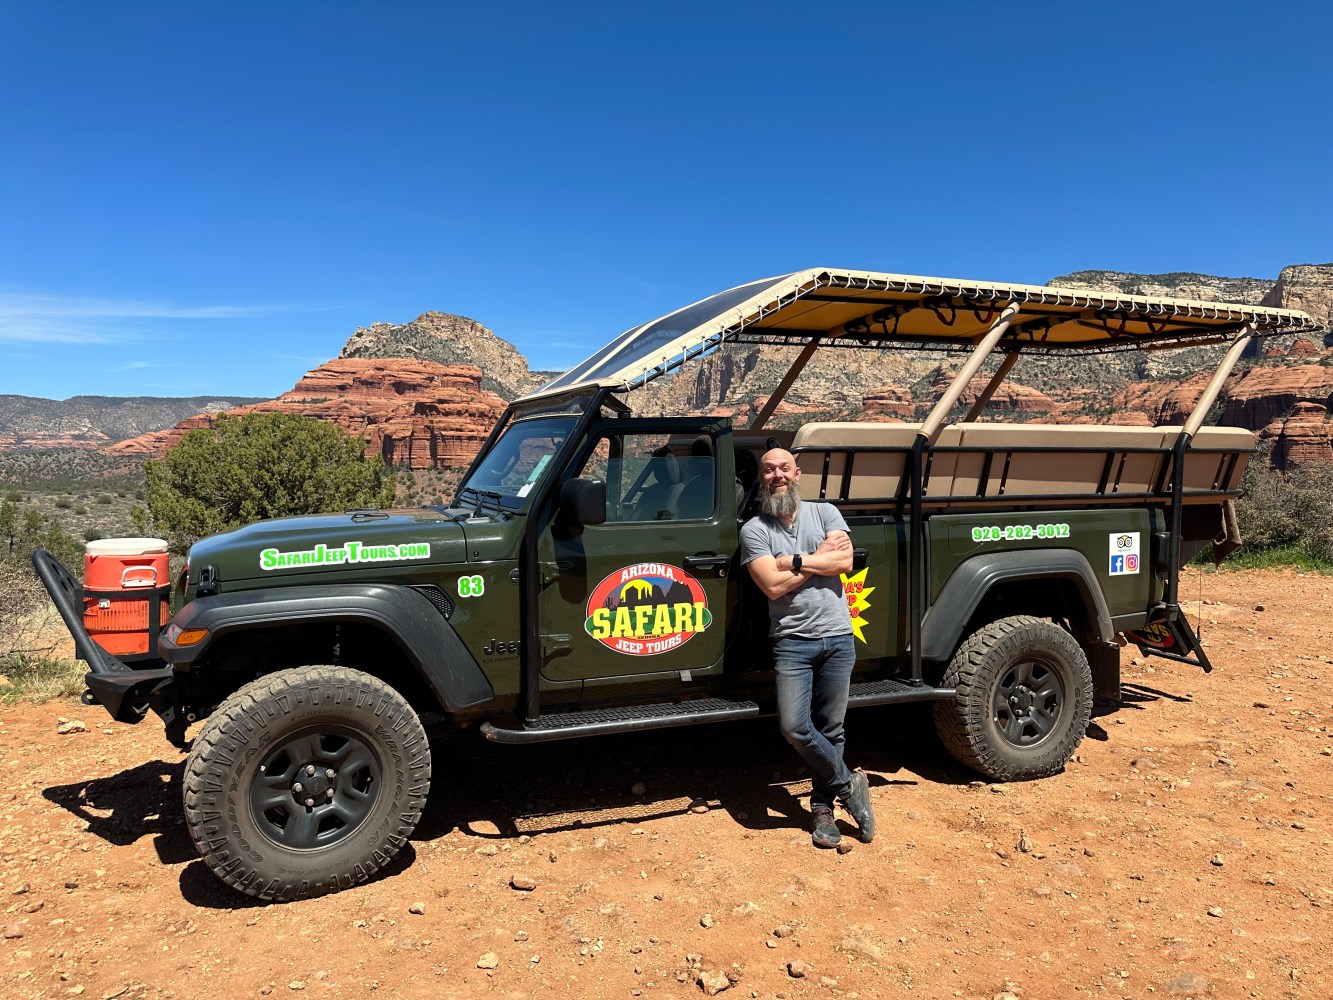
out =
column 839, row 308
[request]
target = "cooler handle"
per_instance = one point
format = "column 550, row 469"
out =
column 130, row 584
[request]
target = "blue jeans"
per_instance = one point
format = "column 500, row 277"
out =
column 812, row 686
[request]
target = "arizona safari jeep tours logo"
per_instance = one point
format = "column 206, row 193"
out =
column 646, row 609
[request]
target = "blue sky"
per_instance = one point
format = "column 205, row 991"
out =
column 209, row 198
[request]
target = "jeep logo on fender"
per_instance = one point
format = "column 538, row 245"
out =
column 646, row 609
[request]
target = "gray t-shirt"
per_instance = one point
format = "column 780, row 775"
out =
column 818, row 609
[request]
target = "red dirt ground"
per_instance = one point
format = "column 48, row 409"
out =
column 1185, row 852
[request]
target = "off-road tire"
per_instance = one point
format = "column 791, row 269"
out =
column 255, row 833
column 1043, row 670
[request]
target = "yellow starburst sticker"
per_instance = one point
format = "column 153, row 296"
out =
column 854, row 587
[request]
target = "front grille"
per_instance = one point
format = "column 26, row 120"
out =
column 443, row 603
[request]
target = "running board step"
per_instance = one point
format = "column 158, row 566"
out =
column 625, row 719
column 895, row 692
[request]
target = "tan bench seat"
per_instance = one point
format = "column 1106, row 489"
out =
column 875, row 475
column 1216, row 459
column 1063, row 462
column 1072, row 459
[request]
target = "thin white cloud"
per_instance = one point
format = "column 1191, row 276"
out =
column 141, row 365
column 17, row 329
column 70, row 307
column 26, row 316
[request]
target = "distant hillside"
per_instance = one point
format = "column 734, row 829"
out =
column 28, row 422
column 382, row 386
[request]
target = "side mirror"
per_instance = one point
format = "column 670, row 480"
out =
column 583, row 501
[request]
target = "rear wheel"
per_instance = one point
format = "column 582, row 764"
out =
column 1024, row 699
column 305, row 782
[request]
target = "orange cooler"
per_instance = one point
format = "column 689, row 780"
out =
column 122, row 578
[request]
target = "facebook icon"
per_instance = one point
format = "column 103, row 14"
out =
column 1117, row 565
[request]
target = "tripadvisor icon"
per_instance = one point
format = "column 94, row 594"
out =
column 348, row 552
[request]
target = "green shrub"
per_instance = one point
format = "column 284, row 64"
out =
column 258, row 466
column 1287, row 512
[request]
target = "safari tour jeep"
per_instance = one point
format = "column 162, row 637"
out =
column 586, row 577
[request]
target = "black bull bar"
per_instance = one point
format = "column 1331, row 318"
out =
column 126, row 692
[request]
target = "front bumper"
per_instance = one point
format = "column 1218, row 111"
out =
column 125, row 691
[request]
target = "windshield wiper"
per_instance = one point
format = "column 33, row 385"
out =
column 367, row 514
column 485, row 499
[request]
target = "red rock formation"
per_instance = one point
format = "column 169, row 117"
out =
column 1157, row 402
column 150, row 445
column 414, row 413
column 1009, row 396
column 1262, row 394
column 38, row 440
column 1305, row 435
column 889, row 402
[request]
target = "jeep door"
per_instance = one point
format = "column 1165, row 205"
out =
column 648, row 591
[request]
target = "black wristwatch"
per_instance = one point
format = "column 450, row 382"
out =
column 796, row 563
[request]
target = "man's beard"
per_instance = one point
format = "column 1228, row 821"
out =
column 781, row 505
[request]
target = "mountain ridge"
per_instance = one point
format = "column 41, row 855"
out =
column 1285, row 393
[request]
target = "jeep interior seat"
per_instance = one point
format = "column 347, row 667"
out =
column 697, row 472
column 660, row 497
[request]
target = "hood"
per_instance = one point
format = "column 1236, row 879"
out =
column 388, row 544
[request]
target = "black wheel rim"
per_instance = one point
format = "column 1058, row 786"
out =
column 1027, row 702
column 315, row 788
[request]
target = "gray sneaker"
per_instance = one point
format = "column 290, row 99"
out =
column 856, row 800
column 825, row 831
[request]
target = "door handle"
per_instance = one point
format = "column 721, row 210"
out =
column 708, row 562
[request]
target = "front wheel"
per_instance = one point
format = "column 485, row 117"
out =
column 305, row 782
column 1024, row 699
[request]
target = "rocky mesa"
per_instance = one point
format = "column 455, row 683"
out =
column 414, row 413
column 424, row 394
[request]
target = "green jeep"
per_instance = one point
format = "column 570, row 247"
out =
column 585, row 579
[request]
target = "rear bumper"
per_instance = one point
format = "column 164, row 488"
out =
column 126, row 692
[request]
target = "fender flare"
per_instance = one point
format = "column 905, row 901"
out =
column 425, row 637
column 963, row 592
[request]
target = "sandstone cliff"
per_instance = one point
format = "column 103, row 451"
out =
column 425, row 393
column 1285, row 394
column 1308, row 287
column 414, row 413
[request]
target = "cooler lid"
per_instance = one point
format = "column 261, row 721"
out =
column 126, row 546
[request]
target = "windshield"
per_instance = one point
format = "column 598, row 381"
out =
column 510, row 471
column 641, row 346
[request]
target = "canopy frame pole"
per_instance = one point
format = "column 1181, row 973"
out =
column 992, row 385
column 780, row 392
column 931, row 426
column 1214, row 387
column 925, row 437
column 1192, row 424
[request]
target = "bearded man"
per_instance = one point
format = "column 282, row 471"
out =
column 796, row 553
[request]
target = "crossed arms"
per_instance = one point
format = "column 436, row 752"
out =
column 775, row 576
